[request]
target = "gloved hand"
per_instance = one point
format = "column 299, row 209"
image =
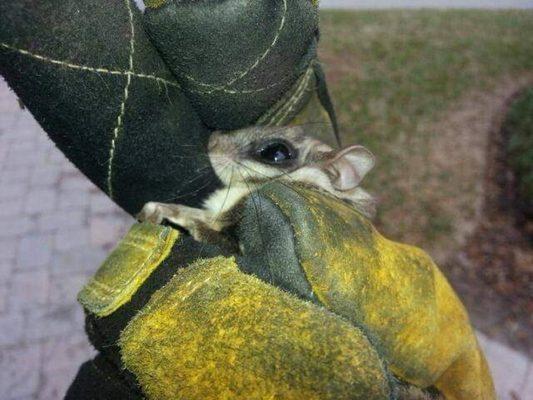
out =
column 137, row 126
column 337, row 310
column 134, row 111
column 177, row 319
column 324, row 251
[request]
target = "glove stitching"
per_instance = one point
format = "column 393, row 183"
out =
column 223, row 87
column 98, row 70
column 286, row 110
column 120, row 117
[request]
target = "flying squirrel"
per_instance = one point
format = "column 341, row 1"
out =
column 247, row 158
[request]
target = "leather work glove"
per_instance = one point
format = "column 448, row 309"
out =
column 132, row 99
column 316, row 305
column 329, row 254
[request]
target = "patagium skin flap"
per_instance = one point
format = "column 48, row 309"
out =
column 105, row 97
column 234, row 58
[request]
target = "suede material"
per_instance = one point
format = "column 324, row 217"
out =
column 394, row 290
column 215, row 333
column 268, row 247
column 134, row 135
column 104, row 332
column 292, row 102
column 395, row 299
column 127, row 268
column 98, row 379
column 234, row 59
column 365, row 378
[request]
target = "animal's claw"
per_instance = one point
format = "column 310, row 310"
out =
column 151, row 212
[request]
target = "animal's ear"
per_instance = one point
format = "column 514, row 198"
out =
column 348, row 167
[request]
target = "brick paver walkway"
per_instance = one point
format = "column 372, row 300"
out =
column 56, row 228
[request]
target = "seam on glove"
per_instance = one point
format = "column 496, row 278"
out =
column 120, row 117
column 127, row 268
column 242, row 74
column 97, row 70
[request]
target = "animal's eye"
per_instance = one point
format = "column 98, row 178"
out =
column 276, row 152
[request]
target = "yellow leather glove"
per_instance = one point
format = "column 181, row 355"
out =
column 393, row 290
column 318, row 305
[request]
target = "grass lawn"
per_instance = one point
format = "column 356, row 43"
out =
column 422, row 90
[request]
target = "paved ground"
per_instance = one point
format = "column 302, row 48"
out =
column 56, row 229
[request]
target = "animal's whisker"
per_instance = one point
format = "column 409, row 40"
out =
column 221, row 209
column 244, row 160
column 277, row 179
column 174, row 199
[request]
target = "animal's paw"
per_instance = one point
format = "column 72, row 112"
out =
column 151, row 212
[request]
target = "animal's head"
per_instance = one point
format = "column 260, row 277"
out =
column 259, row 154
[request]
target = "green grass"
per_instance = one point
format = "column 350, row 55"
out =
column 519, row 125
column 395, row 76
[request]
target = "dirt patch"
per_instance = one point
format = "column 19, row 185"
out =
column 493, row 270
column 493, row 275
column 459, row 155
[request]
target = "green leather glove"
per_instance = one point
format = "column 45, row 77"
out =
column 235, row 59
column 88, row 73
column 127, row 108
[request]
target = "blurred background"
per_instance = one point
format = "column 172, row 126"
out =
column 373, row 4
column 443, row 97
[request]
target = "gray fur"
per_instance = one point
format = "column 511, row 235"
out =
column 235, row 160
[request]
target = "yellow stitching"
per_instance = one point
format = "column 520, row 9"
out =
column 195, row 288
column 88, row 69
column 112, row 290
column 221, row 272
column 296, row 99
column 265, row 118
column 242, row 74
column 240, row 91
column 103, row 286
column 297, row 96
column 267, row 51
column 270, row 115
column 139, row 246
column 120, row 117
column 106, row 71
column 226, row 270
column 288, row 106
column 115, row 136
column 132, row 38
